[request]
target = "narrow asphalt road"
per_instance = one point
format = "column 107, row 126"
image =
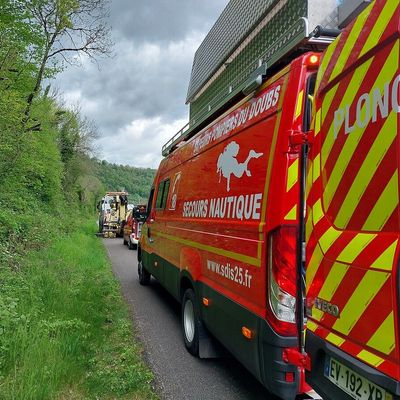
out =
column 156, row 316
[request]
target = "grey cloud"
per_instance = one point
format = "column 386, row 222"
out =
column 149, row 74
column 163, row 20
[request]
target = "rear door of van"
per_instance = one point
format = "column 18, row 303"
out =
column 353, row 211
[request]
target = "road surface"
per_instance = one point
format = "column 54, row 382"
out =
column 156, row 317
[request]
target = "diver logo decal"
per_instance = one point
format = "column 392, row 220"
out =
column 228, row 164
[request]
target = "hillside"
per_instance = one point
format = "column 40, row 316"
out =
column 136, row 181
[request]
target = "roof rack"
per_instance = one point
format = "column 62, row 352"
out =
column 249, row 37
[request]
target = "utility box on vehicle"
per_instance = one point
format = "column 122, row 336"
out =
column 353, row 224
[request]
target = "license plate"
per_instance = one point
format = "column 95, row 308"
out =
column 352, row 383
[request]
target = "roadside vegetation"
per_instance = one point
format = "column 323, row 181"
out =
column 65, row 332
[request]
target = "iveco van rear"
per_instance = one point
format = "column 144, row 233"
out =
column 353, row 213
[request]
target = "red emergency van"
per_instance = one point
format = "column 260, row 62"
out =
column 353, row 224
column 221, row 232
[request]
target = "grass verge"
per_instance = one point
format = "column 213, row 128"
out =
column 65, row 331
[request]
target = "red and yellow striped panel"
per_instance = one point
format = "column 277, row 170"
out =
column 353, row 191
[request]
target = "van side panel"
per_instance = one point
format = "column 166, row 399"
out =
column 230, row 186
column 353, row 205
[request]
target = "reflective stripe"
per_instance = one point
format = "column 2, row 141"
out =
column 331, row 283
column 383, row 340
column 293, row 174
column 360, row 299
column 384, row 207
column 326, row 59
column 335, row 339
column 292, row 214
column 367, row 170
column 316, row 168
column 299, row 104
column 355, row 247
column 313, row 265
column 379, row 28
column 370, row 358
column 385, row 260
column 348, row 98
column 328, row 238
column 312, row 326
column 317, row 127
column 386, row 73
column 349, row 46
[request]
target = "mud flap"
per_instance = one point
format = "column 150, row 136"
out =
column 208, row 346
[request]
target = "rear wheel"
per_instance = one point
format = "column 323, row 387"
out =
column 125, row 241
column 191, row 322
column 144, row 275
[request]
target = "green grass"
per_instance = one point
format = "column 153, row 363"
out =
column 65, row 331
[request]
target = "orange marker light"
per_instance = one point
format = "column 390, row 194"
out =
column 313, row 59
column 247, row 333
column 206, row 301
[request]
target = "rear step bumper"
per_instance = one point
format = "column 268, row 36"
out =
column 318, row 349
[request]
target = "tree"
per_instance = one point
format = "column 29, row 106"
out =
column 69, row 27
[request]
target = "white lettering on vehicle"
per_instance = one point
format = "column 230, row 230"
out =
column 242, row 207
column 377, row 104
column 251, row 110
column 234, row 273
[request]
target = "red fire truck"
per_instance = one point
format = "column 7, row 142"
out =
column 353, row 213
column 222, row 228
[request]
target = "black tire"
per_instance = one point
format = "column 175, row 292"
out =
column 144, row 275
column 125, row 241
column 191, row 323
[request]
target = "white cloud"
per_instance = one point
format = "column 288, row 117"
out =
column 137, row 98
column 140, row 142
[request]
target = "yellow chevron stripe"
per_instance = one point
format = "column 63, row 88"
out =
column 313, row 265
column 309, row 225
column 316, row 167
column 317, row 212
column 327, row 101
column 328, row 238
column 384, row 207
column 347, row 98
column 383, row 339
column 293, row 175
column 385, row 260
column 344, row 54
column 324, row 243
column 312, row 326
column 360, row 299
column 370, row 358
column 380, row 26
column 317, row 126
column 331, row 283
column 350, row 146
column 292, row 214
column 367, row 170
column 326, row 59
column 355, row 247
column 299, row 104
column 335, row 339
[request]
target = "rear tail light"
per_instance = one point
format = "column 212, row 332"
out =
column 282, row 273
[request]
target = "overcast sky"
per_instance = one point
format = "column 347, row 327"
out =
column 137, row 98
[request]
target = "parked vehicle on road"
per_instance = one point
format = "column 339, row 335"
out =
column 112, row 213
column 133, row 226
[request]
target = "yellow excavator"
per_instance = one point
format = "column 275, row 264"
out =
column 112, row 208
